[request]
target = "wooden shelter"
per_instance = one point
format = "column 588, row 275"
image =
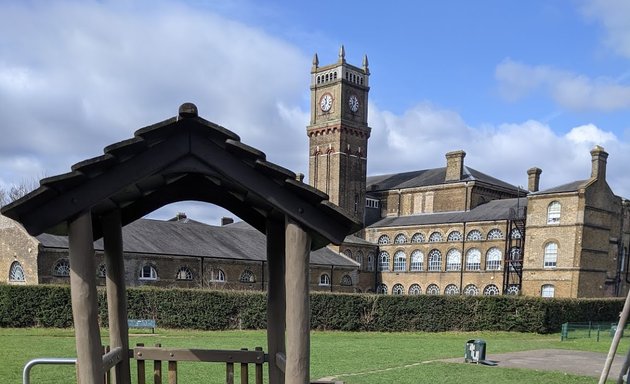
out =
column 183, row 158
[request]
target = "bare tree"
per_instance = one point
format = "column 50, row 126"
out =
column 16, row 191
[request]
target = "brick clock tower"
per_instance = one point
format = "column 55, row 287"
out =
column 338, row 132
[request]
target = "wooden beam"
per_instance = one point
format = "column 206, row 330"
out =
column 276, row 298
column 204, row 355
column 297, row 246
column 84, row 300
column 116, row 293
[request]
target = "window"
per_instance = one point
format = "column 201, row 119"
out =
column 513, row 290
column 148, row 272
column 400, row 239
column 400, row 261
column 382, row 289
column 247, row 277
column 455, row 236
column 495, row 234
column 453, row 260
column 473, row 259
column 553, row 213
column 346, row 280
column 370, row 262
column 451, row 289
column 348, row 253
column 414, row 289
column 551, row 255
column 324, row 279
column 491, row 290
column 384, row 239
column 435, row 237
column 493, row 259
column 383, row 261
column 217, row 275
column 417, row 261
column 359, row 258
column 471, row 290
column 417, row 238
column 61, row 268
column 516, row 234
column 16, row 272
column 371, row 203
column 547, row 290
column 398, row 289
column 474, row 235
column 435, row 260
column 433, row 289
column 101, row 271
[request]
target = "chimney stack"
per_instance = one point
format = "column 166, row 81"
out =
column 533, row 179
column 599, row 156
column 454, row 165
column 226, row 221
column 180, row 216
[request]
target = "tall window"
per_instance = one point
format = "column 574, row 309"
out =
column 101, row 271
column 383, row 261
column 324, row 279
column 435, row 260
column 435, row 237
column 473, row 259
column 417, row 238
column 16, row 273
column 453, row 260
column 400, row 262
column 474, row 235
column 493, row 259
column 417, row 261
column 148, row 272
column 348, row 253
column 398, row 289
column 184, row 273
column 548, row 290
column 370, row 262
column 414, row 289
column 62, row 268
column 551, row 255
column 359, row 258
column 553, row 213
column 384, row 239
column 495, row 234
column 400, row 239
column 455, row 236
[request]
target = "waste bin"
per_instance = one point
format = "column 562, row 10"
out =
column 613, row 330
column 475, row 351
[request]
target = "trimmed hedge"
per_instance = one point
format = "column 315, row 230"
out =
column 50, row 306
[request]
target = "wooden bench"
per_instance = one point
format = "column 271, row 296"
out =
column 143, row 323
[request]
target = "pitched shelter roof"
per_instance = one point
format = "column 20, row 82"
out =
column 181, row 158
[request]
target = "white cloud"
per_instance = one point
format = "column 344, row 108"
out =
column 614, row 17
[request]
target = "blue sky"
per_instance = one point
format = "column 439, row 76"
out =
column 514, row 84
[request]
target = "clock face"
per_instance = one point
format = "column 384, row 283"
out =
column 353, row 102
column 325, row 103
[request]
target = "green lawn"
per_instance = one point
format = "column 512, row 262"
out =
column 356, row 358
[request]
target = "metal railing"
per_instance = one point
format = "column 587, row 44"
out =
column 26, row 373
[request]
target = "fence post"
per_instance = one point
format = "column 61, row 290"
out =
column 564, row 334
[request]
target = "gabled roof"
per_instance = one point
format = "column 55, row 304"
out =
column 182, row 158
column 493, row 210
column 573, row 186
column 429, row 177
column 190, row 238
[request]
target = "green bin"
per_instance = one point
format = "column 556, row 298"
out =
column 475, row 351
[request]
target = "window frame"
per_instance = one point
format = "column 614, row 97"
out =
column 398, row 290
column 383, row 261
column 493, row 264
column 416, row 266
column 400, row 266
column 473, row 253
column 61, row 268
column 548, row 291
column 550, row 256
column 152, row 275
column 451, row 255
column 15, row 271
column 554, row 212
column 414, row 289
column 324, row 280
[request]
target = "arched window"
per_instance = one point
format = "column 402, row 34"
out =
column 16, row 272
column 433, row 289
column 148, row 272
column 455, row 236
column 516, row 234
column 491, row 290
column 513, row 290
column 101, row 271
column 382, row 289
column 493, row 259
column 471, row 290
column 417, row 261
column 346, row 280
column 247, row 276
column 435, row 237
column 551, row 255
column 495, row 234
column 324, row 279
column 473, row 259
column 553, row 212
column 435, row 260
column 359, row 258
column 547, row 290
column 414, row 289
column 184, row 273
column 400, row 261
column 400, row 239
column 61, row 268
column 398, row 289
column 451, row 289
column 453, row 260
column 417, row 238
column 384, row 239
column 474, row 235
column 347, row 253
column 217, row 275
column 370, row 262
column 383, row 261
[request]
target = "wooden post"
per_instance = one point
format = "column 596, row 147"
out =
column 85, row 300
column 298, row 247
column 116, row 293
column 276, row 300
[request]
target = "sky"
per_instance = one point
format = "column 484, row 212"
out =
column 515, row 84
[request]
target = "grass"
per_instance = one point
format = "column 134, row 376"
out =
column 356, row 358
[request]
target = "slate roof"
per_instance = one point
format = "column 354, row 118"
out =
column 573, row 186
column 428, row 177
column 191, row 238
column 493, row 210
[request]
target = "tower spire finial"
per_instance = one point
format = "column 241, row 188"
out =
column 365, row 64
column 315, row 61
column 342, row 54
